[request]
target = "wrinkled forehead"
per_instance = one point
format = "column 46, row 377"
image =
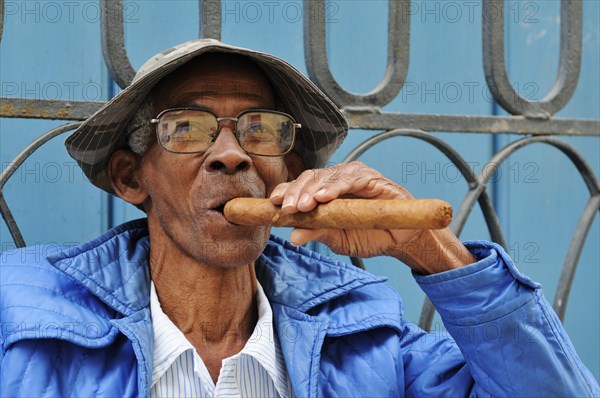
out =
column 214, row 77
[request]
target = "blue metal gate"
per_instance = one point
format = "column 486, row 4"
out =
column 471, row 139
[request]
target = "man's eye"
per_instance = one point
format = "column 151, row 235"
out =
column 255, row 128
column 182, row 127
column 260, row 131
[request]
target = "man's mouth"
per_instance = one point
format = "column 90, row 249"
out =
column 217, row 203
column 219, row 208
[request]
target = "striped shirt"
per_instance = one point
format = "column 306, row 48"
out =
column 256, row 371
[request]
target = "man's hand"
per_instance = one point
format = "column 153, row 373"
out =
column 425, row 251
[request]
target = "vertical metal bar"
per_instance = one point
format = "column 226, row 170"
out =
column 495, row 65
column 491, row 220
column 11, row 224
column 113, row 42
column 569, row 66
column 357, row 262
column 427, row 313
column 1, row 18
column 210, row 19
column 478, row 193
column 315, row 55
column 110, row 199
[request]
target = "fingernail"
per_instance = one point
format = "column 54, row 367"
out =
column 288, row 202
column 321, row 191
column 304, row 199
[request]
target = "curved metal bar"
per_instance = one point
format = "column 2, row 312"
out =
column 585, row 221
column 495, row 66
column 210, row 19
column 1, row 18
column 476, row 190
column 492, row 165
column 113, row 42
column 578, row 161
column 315, row 55
column 575, row 248
column 454, row 156
column 13, row 166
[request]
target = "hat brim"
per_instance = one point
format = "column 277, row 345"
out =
column 324, row 127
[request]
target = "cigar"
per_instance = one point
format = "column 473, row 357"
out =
column 345, row 214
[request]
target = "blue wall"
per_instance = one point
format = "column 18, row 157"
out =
column 52, row 50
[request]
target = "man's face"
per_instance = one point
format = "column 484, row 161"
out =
column 186, row 192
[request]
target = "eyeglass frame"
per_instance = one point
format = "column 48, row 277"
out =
column 235, row 119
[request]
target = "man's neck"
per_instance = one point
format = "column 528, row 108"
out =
column 214, row 307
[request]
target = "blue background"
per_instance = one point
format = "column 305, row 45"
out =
column 51, row 50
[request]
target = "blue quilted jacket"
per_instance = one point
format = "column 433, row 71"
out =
column 75, row 321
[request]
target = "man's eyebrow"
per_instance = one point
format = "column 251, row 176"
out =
column 240, row 94
column 189, row 105
column 190, row 99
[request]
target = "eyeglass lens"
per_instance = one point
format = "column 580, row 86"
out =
column 258, row 132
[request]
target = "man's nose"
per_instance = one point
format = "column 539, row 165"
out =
column 226, row 155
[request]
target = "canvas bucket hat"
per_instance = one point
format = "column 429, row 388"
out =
column 324, row 127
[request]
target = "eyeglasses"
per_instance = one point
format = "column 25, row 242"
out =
column 258, row 131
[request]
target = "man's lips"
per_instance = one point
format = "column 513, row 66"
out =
column 218, row 204
column 219, row 208
column 214, row 199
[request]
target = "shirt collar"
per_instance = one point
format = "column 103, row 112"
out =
column 263, row 344
column 169, row 341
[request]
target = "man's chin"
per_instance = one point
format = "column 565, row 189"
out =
column 232, row 251
column 226, row 260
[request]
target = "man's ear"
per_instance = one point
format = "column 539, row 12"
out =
column 294, row 164
column 124, row 174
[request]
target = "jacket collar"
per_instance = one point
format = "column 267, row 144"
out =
column 302, row 279
column 115, row 268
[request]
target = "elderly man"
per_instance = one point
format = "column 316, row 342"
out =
column 189, row 304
